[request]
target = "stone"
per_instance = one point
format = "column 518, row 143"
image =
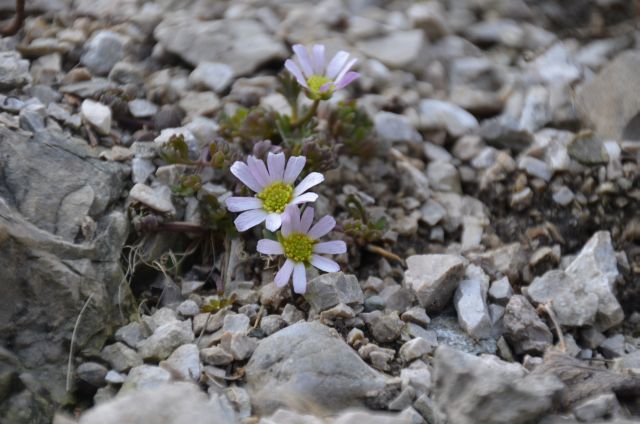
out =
column 102, row 51
column 438, row 114
column 597, row 407
column 97, row 114
column 272, row 323
column 588, row 150
column 196, row 103
column 392, row 127
column 308, row 362
column 613, row 347
column 523, row 328
column 374, row 303
column 433, row 278
column 14, row 71
column 385, row 327
column 502, row 31
column 535, row 168
column 92, row 373
column 236, row 323
column 327, row 290
column 178, row 402
column 501, row 291
column 114, row 377
column 416, row 315
column 156, row 199
column 144, row 377
column 506, row 260
column 470, row 389
column 240, row 346
column 607, row 100
column 242, row 44
column 188, row 308
column 631, row 360
column 141, row 108
column 121, row 357
column 470, row 303
column 396, row 50
column 395, row 298
column 32, row 118
column 291, row 314
column 403, row 400
column 184, row 362
column 443, row 176
column 159, row 318
column 419, row 378
column 126, row 73
column 165, row 339
column 213, row 76
column 216, row 356
column 504, row 132
column 583, row 293
column 415, row 349
column 563, row 196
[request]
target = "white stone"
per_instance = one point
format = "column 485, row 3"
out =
column 98, row 115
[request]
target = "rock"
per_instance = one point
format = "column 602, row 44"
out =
column 444, row 176
column 340, row 311
column 164, row 404
column 156, row 199
column 504, row 132
column 272, row 323
column 308, row 362
column 236, row 323
column 102, row 51
column 485, row 389
column 327, row 290
column 523, row 328
column 597, row 407
column 199, row 103
column 395, row 298
column 506, row 260
column 501, row 291
column 502, row 31
column 631, row 360
column 392, row 127
column 396, row 50
column 188, row 308
column 470, row 303
column 32, row 118
column 240, row 346
column 437, row 114
column 415, row 349
column 14, row 71
column 92, row 373
column 416, row 315
column 141, row 108
column 127, row 73
column 607, row 100
column 583, row 293
column 403, row 400
column 535, row 168
column 291, row 314
column 374, row 303
column 613, row 347
column 588, row 150
column 159, row 318
column 145, row 377
column 216, row 77
column 165, row 339
column 51, row 266
column 98, row 115
column 184, row 362
column 563, row 196
column 216, row 356
column 433, row 278
column 385, row 327
column 121, row 357
column 242, row 44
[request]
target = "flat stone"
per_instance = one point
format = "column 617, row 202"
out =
column 501, row 291
column 597, row 407
column 438, row 114
column 433, row 278
column 165, row 339
column 120, row 356
column 158, row 200
column 470, row 303
column 588, row 150
column 392, row 127
column 236, row 323
column 327, row 290
column 216, row 356
column 309, row 361
column 102, row 51
column 184, row 361
column 524, row 330
column 385, row 327
column 92, row 373
column 443, row 176
column 397, row 49
column 416, row 315
column 535, row 168
column 97, row 114
column 188, row 308
column 415, row 349
column 141, row 108
column 145, row 376
column 214, row 76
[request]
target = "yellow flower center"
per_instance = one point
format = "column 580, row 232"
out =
column 315, row 83
column 298, row 247
column 276, row 196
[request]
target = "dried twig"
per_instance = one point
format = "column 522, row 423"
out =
column 18, row 20
column 384, row 253
column 73, row 340
column 549, row 310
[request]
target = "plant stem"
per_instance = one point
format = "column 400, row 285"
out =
column 307, row 116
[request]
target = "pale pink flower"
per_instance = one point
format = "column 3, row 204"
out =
column 321, row 80
column 273, row 184
column 298, row 242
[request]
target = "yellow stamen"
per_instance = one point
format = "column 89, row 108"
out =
column 276, row 196
column 298, row 247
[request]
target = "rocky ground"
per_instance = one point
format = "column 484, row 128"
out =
column 503, row 288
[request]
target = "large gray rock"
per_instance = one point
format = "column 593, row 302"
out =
column 609, row 99
column 51, row 263
column 486, row 390
column 583, row 294
column 172, row 403
column 309, row 364
column 433, row 278
column 524, row 329
column 242, row 44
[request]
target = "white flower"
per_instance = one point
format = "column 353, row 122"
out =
column 310, row 71
column 274, row 188
column 298, row 242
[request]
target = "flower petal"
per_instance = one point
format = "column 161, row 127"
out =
column 273, row 221
column 323, row 264
column 293, row 214
column 270, row 247
column 241, row 204
column 348, row 79
column 318, row 59
column 304, row 59
column 287, row 224
column 336, row 64
column 250, row 219
column 334, row 247
column 326, row 87
column 344, row 70
column 295, row 165
column 299, row 278
column 242, row 172
column 309, row 181
column 307, row 219
column 282, row 277
column 304, row 198
column 276, row 166
column 259, row 170
column 295, row 71
column 322, row 227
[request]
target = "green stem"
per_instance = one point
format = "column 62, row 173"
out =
column 307, row 116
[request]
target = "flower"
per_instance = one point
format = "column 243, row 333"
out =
column 298, row 242
column 310, row 71
column 274, row 188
